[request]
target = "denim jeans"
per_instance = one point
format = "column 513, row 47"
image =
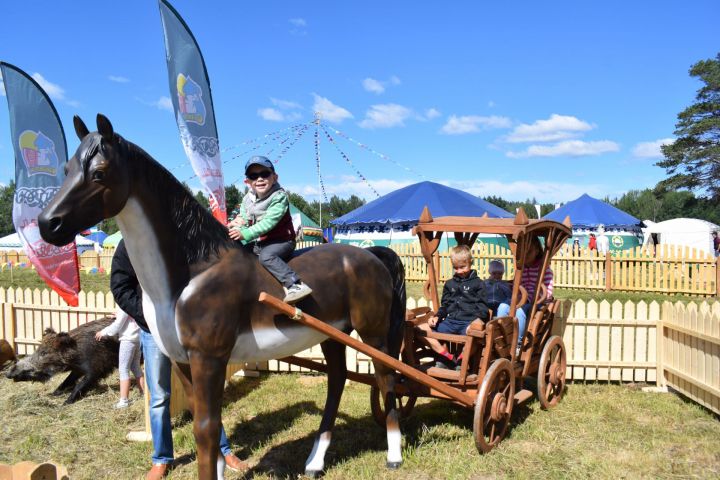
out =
column 157, row 379
column 520, row 313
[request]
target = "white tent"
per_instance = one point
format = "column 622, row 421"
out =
column 12, row 242
column 689, row 232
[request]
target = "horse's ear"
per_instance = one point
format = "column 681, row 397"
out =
column 80, row 129
column 105, row 128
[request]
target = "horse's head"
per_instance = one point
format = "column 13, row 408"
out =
column 96, row 184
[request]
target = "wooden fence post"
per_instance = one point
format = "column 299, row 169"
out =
column 608, row 271
column 717, row 276
column 13, row 326
column 660, row 345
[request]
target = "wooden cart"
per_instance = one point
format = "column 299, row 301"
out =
column 490, row 378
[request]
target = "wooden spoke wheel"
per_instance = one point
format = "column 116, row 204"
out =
column 493, row 405
column 551, row 373
column 405, row 405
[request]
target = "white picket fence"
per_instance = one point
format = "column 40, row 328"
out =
column 670, row 344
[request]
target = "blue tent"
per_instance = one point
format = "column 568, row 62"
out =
column 406, row 204
column 588, row 212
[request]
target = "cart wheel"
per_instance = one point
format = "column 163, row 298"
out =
column 493, row 405
column 407, row 403
column 551, row 373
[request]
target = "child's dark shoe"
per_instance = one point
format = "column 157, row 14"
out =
column 445, row 363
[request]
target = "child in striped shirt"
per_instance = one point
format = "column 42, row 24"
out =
column 529, row 280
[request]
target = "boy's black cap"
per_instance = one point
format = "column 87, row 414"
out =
column 259, row 160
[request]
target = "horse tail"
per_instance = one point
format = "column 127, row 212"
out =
column 392, row 262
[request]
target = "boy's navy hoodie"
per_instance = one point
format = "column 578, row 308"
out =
column 464, row 299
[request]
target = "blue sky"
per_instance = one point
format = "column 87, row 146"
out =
column 523, row 99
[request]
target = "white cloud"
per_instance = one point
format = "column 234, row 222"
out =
column 299, row 26
column 275, row 115
column 283, row 113
column 54, row 91
column 651, row 149
column 163, row 103
column 571, row 148
column 379, row 86
column 545, row 192
column 118, row 79
column 431, row 113
column 285, row 104
column 473, row 123
column 270, row 114
column 385, row 116
column 348, row 185
column 329, row 111
column 557, row 127
column 372, row 85
column 491, row 104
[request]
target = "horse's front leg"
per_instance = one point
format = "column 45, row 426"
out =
column 208, row 377
column 334, row 353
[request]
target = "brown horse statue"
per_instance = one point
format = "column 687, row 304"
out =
column 200, row 290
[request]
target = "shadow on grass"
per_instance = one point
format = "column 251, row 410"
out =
column 234, row 392
column 352, row 437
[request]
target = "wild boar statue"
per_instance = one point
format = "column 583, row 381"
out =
column 7, row 354
column 76, row 351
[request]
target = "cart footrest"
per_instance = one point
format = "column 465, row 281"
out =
column 452, row 375
column 523, row 396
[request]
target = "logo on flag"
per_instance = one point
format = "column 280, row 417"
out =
column 190, row 102
column 38, row 153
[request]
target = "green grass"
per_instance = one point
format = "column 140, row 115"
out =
column 28, row 278
column 597, row 431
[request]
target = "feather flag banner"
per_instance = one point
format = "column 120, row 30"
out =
column 192, row 103
column 40, row 156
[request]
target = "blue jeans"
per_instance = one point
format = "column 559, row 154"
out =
column 158, row 369
column 520, row 313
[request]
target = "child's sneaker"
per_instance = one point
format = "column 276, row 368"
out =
column 122, row 403
column 296, row 292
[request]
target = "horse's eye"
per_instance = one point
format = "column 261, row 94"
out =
column 98, row 175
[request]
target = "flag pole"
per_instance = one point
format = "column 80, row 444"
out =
column 318, row 115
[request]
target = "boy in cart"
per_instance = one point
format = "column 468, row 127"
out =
column 463, row 301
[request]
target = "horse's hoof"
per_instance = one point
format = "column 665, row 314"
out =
column 313, row 473
column 394, row 465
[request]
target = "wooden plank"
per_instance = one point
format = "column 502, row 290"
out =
column 603, row 341
column 641, row 342
column 592, row 341
column 578, row 345
column 616, row 341
column 628, row 342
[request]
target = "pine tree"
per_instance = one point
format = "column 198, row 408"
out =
column 693, row 161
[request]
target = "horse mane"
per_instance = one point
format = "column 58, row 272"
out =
column 202, row 234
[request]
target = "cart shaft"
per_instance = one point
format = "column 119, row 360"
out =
column 390, row 362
